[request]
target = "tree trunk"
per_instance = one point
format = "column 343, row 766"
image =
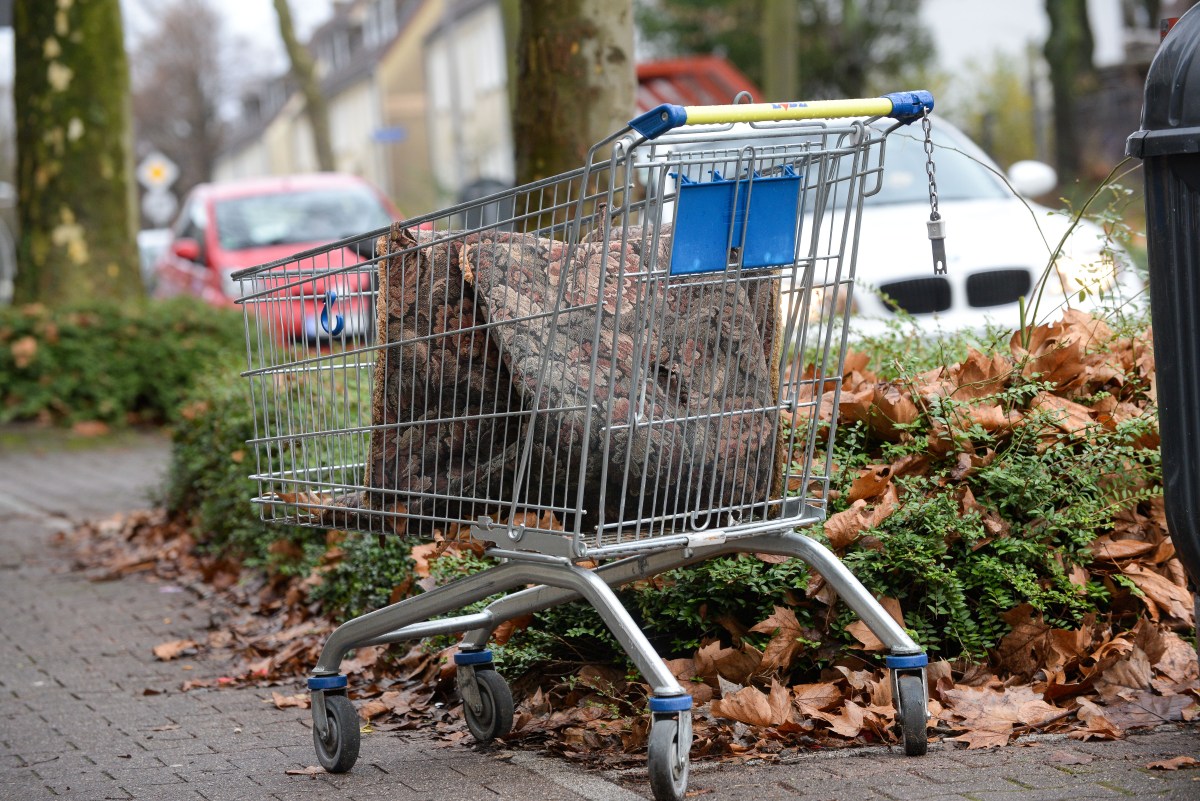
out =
column 510, row 12
column 76, row 204
column 305, row 74
column 576, row 81
column 781, row 70
column 1069, row 54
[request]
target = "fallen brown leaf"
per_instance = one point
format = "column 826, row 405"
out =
column 861, row 632
column 1066, row 415
column 167, row 651
column 821, row 696
column 1111, row 550
column 1161, row 594
column 1144, row 710
column 735, row 664
column 1130, row 671
column 784, row 644
column 748, row 705
column 979, row 706
column 844, row 527
column 23, row 351
column 1174, row 658
column 1175, row 763
column 1068, row 758
column 90, row 428
column 870, row 482
column 986, row 734
column 848, row 723
column 311, row 770
column 299, row 701
column 1097, row 726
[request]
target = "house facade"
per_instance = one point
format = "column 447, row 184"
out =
column 419, row 101
column 369, row 59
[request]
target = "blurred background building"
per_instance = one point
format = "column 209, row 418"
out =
column 419, row 96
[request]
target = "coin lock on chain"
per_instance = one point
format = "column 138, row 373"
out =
column 936, row 225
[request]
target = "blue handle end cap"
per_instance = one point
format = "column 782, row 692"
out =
column 909, row 106
column 659, row 120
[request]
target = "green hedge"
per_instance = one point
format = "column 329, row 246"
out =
column 954, row 575
column 956, row 566
column 207, row 481
column 118, row 364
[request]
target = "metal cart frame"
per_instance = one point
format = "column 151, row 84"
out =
column 653, row 172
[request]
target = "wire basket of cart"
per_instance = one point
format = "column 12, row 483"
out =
column 620, row 374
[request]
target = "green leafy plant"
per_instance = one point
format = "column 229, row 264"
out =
column 369, row 573
column 964, row 546
column 208, row 481
column 207, row 478
column 112, row 363
column 999, row 515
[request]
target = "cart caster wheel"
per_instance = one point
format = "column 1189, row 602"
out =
column 495, row 716
column 911, row 714
column 668, row 774
column 338, row 750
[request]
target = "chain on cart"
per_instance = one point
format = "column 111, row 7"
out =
column 630, row 371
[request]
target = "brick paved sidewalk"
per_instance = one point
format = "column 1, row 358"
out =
column 87, row 713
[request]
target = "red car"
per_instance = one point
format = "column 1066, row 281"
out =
column 229, row 226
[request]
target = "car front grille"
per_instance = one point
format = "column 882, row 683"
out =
column 917, row 295
column 997, row 287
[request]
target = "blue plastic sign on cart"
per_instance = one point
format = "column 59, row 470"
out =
column 713, row 216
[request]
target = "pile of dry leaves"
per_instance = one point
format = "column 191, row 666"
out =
column 1098, row 681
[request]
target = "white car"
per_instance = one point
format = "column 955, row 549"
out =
column 998, row 243
column 152, row 243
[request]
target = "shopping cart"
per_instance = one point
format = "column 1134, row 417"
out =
column 621, row 374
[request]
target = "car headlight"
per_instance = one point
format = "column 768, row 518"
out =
column 1086, row 274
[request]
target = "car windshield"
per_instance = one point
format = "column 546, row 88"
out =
column 959, row 176
column 313, row 215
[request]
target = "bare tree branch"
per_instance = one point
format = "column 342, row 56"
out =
column 305, row 74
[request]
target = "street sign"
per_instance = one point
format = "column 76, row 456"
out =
column 389, row 135
column 159, row 206
column 157, row 172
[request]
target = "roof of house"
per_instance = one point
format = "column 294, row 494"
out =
column 690, row 81
column 362, row 60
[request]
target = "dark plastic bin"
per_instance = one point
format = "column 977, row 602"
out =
column 1169, row 146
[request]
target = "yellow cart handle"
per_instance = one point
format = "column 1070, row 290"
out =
column 902, row 106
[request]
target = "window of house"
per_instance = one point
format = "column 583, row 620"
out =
column 387, row 19
column 370, row 29
column 341, row 48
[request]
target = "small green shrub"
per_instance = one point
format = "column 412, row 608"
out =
column 207, row 480
column 372, row 572
column 1037, row 501
column 207, row 477
column 109, row 362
